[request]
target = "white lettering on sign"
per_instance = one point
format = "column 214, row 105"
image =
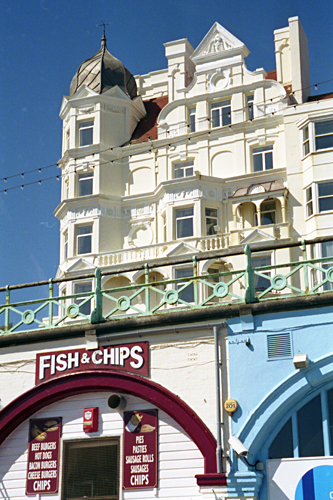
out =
column 122, row 356
column 41, row 485
column 140, row 479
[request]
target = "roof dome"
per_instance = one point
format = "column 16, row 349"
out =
column 102, row 72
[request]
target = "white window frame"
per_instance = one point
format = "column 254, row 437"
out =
column 220, row 113
column 309, row 136
column 274, row 211
column 84, row 235
column 87, row 307
column 309, row 201
column 85, row 126
column 263, row 151
column 85, row 178
column 184, row 217
column 65, row 245
column 191, row 119
column 269, row 273
column 250, row 106
column 183, row 169
column 316, row 197
column 178, row 270
column 211, row 217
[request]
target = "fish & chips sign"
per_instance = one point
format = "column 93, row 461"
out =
column 125, row 357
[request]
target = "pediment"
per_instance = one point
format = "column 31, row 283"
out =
column 217, row 44
column 83, row 93
column 256, row 236
column 80, row 265
column 182, row 249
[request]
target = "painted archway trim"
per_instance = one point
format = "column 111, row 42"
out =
column 51, row 391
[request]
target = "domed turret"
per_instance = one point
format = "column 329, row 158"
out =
column 102, row 72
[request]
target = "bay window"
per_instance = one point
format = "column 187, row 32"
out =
column 86, row 130
column 84, row 239
column 86, row 183
column 317, row 136
column 184, row 222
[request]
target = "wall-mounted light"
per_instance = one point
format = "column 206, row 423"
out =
column 301, row 361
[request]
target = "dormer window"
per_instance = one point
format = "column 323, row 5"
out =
column 86, row 130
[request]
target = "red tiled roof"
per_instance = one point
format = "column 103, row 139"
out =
column 271, row 75
column 147, row 127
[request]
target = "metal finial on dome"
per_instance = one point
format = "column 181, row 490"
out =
column 103, row 37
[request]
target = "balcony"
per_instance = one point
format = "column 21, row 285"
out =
column 146, row 254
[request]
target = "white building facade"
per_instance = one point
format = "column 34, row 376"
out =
column 165, row 176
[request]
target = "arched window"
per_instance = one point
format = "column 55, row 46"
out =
column 308, row 432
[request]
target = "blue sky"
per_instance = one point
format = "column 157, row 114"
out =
column 42, row 44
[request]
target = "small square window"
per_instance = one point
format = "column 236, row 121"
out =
column 91, row 469
column 211, row 220
column 184, row 222
column 262, row 158
column 220, row 113
column 86, row 130
column 84, row 239
column 184, row 169
column 86, row 183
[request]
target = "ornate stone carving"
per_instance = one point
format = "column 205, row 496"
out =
column 218, row 80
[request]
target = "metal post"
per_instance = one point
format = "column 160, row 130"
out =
column 195, row 282
column 147, row 294
column 96, row 315
column 249, row 277
column 218, row 402
column 50, row 302
column 305, row 267
column 7, row 308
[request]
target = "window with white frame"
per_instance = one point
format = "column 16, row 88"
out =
column 66, row 188
column 220, row 113
column 67, row 139
column 327, row 251
column 184, row 222
column 308, row 201
column 268, row 212
column 260, row 282
column 249, row 106
column 84, row 239
column 183, row 169
column 86, row 180
column 211, row 220
column 317, row 136
column 84, row 287
column 323, row 134
column 66, row 245
column 187, row 294
column 262, row 158
column 86, row 132
column 325, row 196
column 306, row 141
column 191, row 119
column 91, row 469
column 308, row 430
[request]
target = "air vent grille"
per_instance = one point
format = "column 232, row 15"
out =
column 279, row 346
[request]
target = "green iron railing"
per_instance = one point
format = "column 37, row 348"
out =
column 218, row 289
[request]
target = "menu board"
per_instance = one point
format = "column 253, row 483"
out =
column 43, row 455
column 140, row 449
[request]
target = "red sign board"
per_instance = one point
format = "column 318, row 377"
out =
column 43, row 455
column 140, row 449
column 127, row 357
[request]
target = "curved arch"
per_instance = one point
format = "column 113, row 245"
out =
column 51, row 391
column 281, row 400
